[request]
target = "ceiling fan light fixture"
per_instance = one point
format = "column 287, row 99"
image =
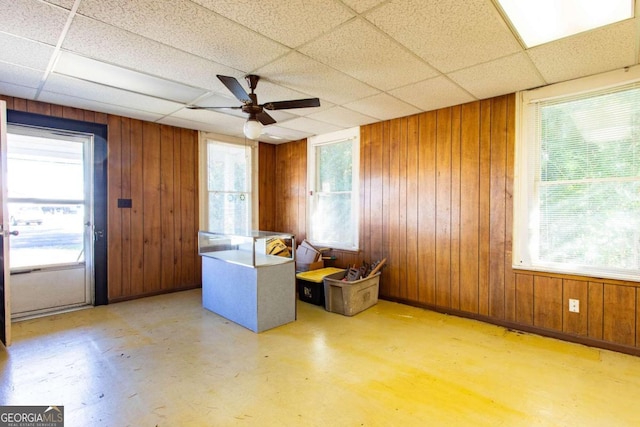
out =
column 252, row 128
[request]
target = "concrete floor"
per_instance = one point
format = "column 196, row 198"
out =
column 166, row 361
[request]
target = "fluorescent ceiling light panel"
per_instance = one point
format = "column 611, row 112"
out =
column 91, row 70
column 542, row 21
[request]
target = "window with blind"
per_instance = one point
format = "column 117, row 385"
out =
column 579, row 184
column 333, row 181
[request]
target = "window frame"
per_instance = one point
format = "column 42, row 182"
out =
column 205, row 139
column 313, row 142
column 526, row 146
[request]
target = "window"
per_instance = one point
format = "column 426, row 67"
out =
column 228, row 198
column 333, row 172
column 578, row 182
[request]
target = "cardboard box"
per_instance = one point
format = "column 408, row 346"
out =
column 309, row 267
column 308, row 258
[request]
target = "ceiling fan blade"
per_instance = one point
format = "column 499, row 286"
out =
column 197, row 107
column 234, row 87
column 264, row 118
column 294, row 103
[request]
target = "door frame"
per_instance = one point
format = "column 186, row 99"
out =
column 99, row 132
column 5, row 295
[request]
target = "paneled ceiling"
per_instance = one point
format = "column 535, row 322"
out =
column 367, row 60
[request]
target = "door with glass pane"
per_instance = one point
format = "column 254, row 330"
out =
column 49, row 182
column 5, row 307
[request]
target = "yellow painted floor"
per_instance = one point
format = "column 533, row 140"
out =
column 166, row 361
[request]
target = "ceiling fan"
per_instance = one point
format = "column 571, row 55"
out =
column 257, row 116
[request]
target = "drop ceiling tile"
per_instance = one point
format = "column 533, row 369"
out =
column 33, row 19
column 449, row 34
column 305, row 124
column 291, row 22
column 187, row 26
column 89, row 91
column 67, row 4
column 361, row 6
column 24, row 92
column 349, row 49
column 504, row 75
column 101, row 107
column 210, row 121
column 24, row 52
column 284, row 133
column 303, row 74
column 90, row 70
column 21, row 76
column 434, row 93
column 116, row 46
column 342, row 117
column 383, row 107
column 593, row 52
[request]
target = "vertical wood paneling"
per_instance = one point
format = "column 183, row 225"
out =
column 266, row 187
column 402, row 207
column 72, row 113
column 427, row 208
column 510, row 278
column 125, row 214
column 374, row 202
column 38, row 107
column 302, row 192
column 138, row 209
column 114, row 192
column 167, row 215
column 151, row 201
column 395, row 264
column 575, row 323
column 484, row 207
column 619, row 322
column 191, row 271
column 443, row 208
column 497, row 232
column 366, row 213
column 412, row 209
column 294, row 182
column 381, row 132
column 469, row 209
column 524, row 299
column 455, row 207
column 637, row 319
column 179, row 216
column 547, row 302
column 595, row 310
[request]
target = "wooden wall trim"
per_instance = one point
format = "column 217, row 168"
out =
column 516, row 326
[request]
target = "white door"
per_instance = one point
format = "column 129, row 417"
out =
column 49, row 182
column 5, row 307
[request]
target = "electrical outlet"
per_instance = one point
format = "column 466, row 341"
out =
column 574, row 305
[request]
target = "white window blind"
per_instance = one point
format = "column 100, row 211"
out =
column 333, row 180
column 581, row 163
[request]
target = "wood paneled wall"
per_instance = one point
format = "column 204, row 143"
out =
column 152, row 247
column 437, row 201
